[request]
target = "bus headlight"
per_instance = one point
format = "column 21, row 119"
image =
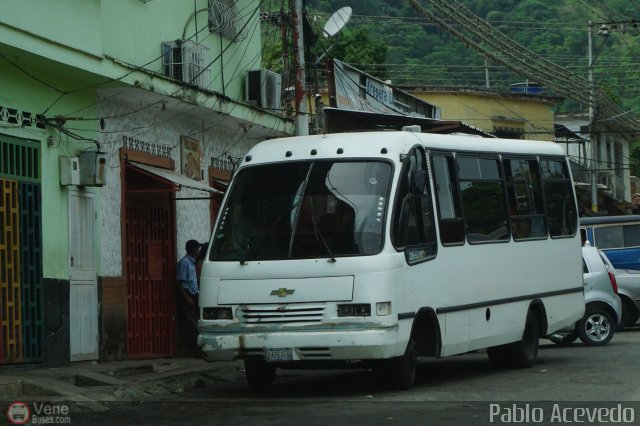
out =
column 354, row 310
column 383, row 308
column 217, row 314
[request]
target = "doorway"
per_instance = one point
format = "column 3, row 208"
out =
column 83, row 293
column 149, row 260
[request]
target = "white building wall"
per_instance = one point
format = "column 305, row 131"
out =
column 156, row 126
column 618, row 168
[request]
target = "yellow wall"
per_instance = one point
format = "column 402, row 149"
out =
column 486, row 111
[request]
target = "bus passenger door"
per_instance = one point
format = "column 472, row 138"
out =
column 455, row 324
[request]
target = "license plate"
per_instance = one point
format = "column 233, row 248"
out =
column 279, row 355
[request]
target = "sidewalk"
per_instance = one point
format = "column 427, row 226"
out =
column 89, row 383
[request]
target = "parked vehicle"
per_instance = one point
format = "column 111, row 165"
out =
column 603, row 305
column 371, row 249
column 629, row 292
column 619, row 239
column 617, row 236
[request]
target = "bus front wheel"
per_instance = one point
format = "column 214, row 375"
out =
column 260, row 374
column 402, row 370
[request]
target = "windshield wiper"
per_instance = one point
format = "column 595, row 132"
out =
column 332, row 258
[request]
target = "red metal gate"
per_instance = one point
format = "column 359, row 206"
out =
column 150, row 273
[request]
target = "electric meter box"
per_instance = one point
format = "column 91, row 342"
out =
column 93, row 168
column 69, row 171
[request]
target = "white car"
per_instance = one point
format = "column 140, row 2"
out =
column 603, row 310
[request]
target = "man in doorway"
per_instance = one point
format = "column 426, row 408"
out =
column 187, row 281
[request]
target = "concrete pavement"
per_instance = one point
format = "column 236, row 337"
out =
column 91, row 384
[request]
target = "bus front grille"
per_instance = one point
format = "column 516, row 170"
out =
column 282, row 314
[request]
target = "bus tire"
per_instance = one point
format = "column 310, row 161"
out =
column 498, row 356
column 402, row 370
column 259, row 373
column 523, row 353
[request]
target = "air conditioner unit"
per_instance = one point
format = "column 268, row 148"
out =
column 186, row 61
column 264, row 87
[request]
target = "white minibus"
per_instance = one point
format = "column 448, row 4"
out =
column 374, row 249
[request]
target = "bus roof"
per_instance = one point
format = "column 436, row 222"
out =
column 599, row 220
column 386, row 145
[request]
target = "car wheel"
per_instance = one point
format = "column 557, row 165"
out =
column 260, row 374
column 629, row 313
column 596, row 327
column 523, row 353
column 402, row 370
column 563, row 338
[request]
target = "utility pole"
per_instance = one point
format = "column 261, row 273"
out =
column 593, row 136
column 302, row 118
column 486, row 71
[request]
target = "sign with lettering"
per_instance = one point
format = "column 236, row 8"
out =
column 380, row 92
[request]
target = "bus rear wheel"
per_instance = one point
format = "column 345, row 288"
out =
column 498, row 356
column 260, row 374
column 520, row 354
column 523, row 353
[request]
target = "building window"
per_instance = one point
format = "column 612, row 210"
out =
column 504, row 132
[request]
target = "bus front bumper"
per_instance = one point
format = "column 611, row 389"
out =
column 302, row 345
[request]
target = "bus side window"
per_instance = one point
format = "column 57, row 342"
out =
column 558, row 196
column 528, row 220
column 483, row 199
column 413, row 223
column 450, row 221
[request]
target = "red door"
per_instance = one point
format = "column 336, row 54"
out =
column 150, row 271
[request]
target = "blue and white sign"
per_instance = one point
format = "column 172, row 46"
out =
column 380, row 92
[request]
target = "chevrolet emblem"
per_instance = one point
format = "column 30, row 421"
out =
column 282, row 292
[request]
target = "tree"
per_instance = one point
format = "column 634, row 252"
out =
column 364, row 49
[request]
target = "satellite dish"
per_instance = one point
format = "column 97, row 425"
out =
column 336, row 21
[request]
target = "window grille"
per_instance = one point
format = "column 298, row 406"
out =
column 186, row 61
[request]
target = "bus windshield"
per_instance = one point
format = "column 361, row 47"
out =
column 308, row 209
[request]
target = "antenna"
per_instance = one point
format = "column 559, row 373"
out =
column 336, row 21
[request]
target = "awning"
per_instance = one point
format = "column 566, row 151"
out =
column 343, row 120
column 176, row 179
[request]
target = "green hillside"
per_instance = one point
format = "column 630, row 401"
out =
column 390, row 40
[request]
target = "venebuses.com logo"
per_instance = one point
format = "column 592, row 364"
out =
column 21, row 413
column 18, row 413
